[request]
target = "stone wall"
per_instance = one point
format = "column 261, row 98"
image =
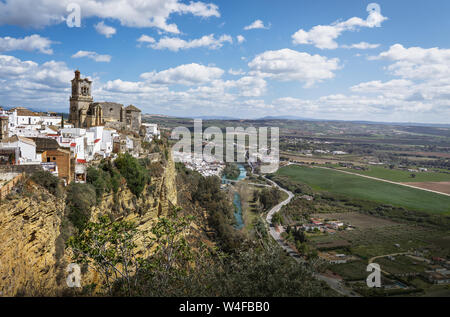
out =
column 29, row 169
column 112, row 111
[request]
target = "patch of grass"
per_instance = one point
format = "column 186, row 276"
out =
column 351, row 271
column 362, row 188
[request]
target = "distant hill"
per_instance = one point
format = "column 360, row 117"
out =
column 215, row 118
column 435, row 125
column 289, row 118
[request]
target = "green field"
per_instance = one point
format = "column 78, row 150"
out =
column 363, row 188
column 402, row 176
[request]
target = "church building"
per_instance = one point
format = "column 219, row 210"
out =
column 85, row 113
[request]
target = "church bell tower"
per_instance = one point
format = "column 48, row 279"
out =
column 80, row 100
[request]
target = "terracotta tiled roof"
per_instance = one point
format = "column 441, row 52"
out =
column 26, row 112
column 44, row 144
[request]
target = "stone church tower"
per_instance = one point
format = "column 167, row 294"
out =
column 84, row 113
column 80, row 100
column 4, row 127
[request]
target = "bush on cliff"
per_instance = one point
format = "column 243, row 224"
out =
column 105, row 179
column 79, row 200
column 48, row 181
column 135, row 174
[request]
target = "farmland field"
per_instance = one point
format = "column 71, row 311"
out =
column 356, row 219
column 443, row 187
column 368, row 189
column 403, row 176
column 381, row 240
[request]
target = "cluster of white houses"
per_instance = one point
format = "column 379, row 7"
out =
column 65, row 148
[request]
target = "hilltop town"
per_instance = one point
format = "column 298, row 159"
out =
column 32, row 141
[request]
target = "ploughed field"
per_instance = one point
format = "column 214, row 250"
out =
column 367, row 189
column 443, row 187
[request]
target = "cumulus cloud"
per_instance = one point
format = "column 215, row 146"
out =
column 324, row 36
column 257, row 24
column 290, row 65
column 188, row 74
column 250, row 86
column 236, row 72
column 175, row 44
column 92, row 55
column 240, row 39
column 29, row 43
column 27, row 82
column 377, row 85
column 106, row 30
column 130, row 13
column 361, row 46
column 417, row 62
column 146, row 39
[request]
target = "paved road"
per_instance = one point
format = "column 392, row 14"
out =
column 332, row 282
column 377, row 179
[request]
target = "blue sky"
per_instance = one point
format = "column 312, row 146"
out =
column 251, row 58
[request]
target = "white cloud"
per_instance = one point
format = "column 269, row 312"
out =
column 92, row 55
column 105, row 30
column 417, row 62
column 250, row 86
column 257, row 24
column 324, row 36
column 188, row 74
column 236, row 72
column 240, row 39
column 131, row 13
column 146, row 39
column 175, row 44
column 361, row 46
column 27, row 82
column 290, row 65
column 29, row 43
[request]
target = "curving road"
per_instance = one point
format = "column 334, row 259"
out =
column 332, row 282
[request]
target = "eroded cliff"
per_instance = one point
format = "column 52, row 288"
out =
column 33, row 229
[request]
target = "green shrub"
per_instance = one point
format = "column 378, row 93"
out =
column 79, row 201
column 104, row 179
column 135, row 174
column 48, row 181
column 231, row 171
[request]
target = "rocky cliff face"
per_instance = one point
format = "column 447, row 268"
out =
column 29, row 228
column 32, row 255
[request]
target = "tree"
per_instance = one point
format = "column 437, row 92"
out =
column 48, row 181
column 79, row 200
column 109, row 248
column 135, row 174
column 413, row 175
column 277, row 219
